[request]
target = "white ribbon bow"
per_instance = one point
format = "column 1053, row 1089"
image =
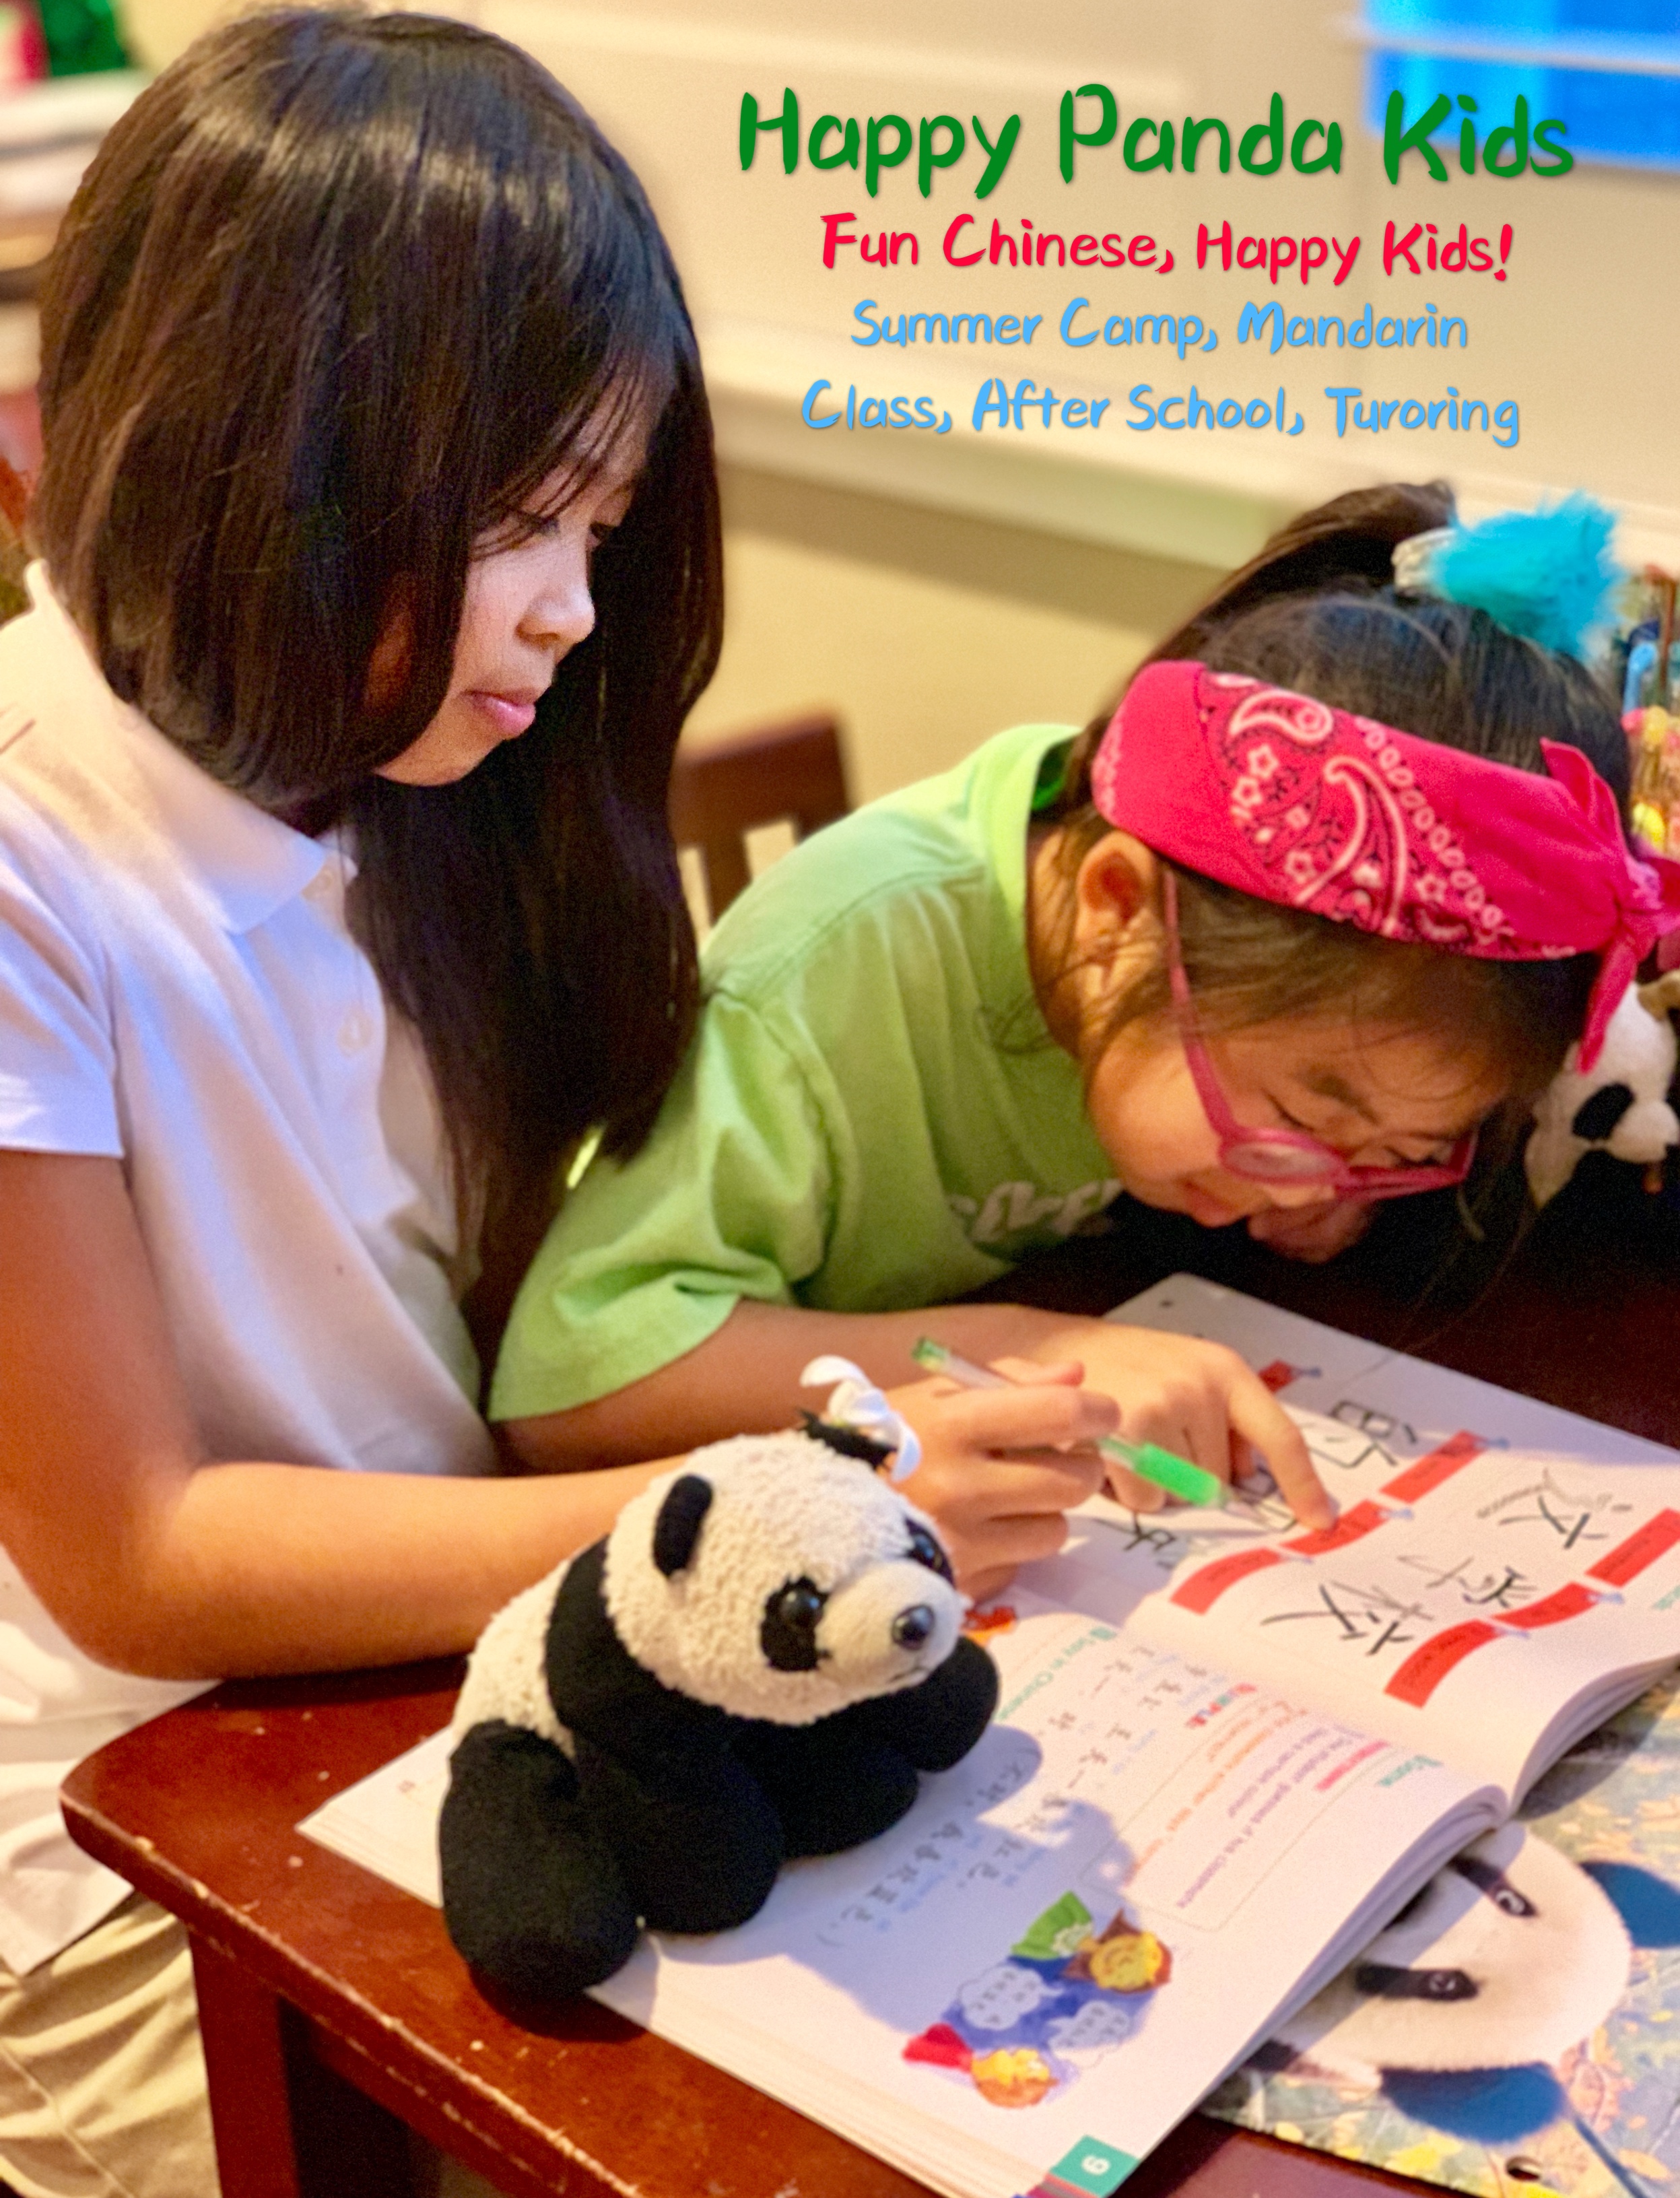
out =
column 855, row 1402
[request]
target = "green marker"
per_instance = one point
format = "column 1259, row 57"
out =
column 1175, row 1475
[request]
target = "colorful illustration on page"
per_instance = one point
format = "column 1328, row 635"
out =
column 990, row 1624
column 1516, row 2030
column 1066, row 1995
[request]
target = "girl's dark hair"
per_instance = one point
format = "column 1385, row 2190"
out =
column 338, row 293
column 1317, row 611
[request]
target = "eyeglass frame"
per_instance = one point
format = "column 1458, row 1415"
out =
column 1239, row 1140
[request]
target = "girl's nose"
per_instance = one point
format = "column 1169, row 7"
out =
column 561, row 614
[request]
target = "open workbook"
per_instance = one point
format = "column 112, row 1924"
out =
column 1227, row 1750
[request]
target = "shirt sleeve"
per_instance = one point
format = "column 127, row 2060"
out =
column 57, row 1057
column 729, row 1199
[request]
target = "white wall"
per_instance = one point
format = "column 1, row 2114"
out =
column 925, row 630
column 926, row 647
column 934, row 589
column 1578, row 334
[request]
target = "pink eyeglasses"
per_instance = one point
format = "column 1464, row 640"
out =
column 1285, row 1156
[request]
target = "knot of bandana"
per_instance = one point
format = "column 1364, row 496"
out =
column 1315, row 808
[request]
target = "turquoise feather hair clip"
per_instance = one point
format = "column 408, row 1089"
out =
column 1549, row 575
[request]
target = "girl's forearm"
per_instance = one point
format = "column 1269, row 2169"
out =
column 745, row 1379
column 1194, row 1397
column 266, row 1568
column 156, row 1560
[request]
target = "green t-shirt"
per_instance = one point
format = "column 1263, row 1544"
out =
column 873, row 1114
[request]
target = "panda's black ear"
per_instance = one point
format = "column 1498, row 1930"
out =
column 677, row 1529
column 848, row 1442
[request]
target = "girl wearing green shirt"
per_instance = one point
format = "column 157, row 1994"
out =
column 1207, row 955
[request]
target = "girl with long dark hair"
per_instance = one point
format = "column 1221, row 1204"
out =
column 380, row 568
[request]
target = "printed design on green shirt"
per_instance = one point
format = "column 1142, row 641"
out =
column 1010, row 1208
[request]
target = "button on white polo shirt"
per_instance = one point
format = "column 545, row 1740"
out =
column 178, row 990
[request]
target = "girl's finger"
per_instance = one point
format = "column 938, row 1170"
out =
column 1044, row 1418
column 989, row 1489
column 982, row 1587
column 1207, row 1437
column 1029, row 1374
column 1257, row 1416
column 1012, row 1542
column 1135, row 1493
column 1192, row 1424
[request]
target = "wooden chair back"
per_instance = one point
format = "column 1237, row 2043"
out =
column 14, row 556
column 723, row 789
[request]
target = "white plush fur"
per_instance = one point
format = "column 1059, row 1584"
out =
column 506, row 1677
column 1543, row 1982
column 1639, row 1050
column 784, row 1507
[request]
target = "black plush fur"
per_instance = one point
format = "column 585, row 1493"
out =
column 669, row 1812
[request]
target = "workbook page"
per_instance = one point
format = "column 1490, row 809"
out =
column 1078, row 1929
column 1490, row 1589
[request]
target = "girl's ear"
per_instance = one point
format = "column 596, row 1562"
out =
column 1116, row 883
column 392, row 660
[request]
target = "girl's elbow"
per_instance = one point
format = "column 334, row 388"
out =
column 123, row 1635
column 550, row 1442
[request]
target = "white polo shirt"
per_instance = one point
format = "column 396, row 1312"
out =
column 178, row 990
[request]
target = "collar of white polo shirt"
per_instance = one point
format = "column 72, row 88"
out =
column 246, row 863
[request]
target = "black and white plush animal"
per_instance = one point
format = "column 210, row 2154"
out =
column 1623, row 1106
column 754, row 1664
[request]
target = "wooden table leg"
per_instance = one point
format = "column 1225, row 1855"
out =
column 286, row 2126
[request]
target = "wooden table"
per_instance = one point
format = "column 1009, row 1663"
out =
column 335, row 2010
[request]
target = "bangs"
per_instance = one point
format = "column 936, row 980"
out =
column 353, row 289
column 592, row 356
column 580, row 453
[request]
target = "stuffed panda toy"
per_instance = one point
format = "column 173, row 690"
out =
column 1623, row 1106
column 754, row 1664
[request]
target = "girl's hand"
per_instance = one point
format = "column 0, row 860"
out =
column 1315, row 1233
column 1001, row 1467
column 1198, row 1400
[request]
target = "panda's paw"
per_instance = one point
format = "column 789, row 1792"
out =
column 532, row 1897
column 833, row 1784
column 697, row 1852
column 936, row 1723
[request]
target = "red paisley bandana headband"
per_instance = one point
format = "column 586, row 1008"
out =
column 1314, row 808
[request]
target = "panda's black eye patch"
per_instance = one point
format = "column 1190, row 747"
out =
column 1595, row 1118
column 788, row 1635
column 1493, row 1885
column 1378, row 1982
column 925, row 1551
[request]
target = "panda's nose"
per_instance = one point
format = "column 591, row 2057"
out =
column 911, row 1628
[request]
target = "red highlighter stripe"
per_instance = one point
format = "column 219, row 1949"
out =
column 1430, row 1471
column 1203, row 1589
column 1424, row 1670
column 1641, row 1551
column 1352, row 1527
column 1572, row 1601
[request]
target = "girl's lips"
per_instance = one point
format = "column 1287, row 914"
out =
column 509, row 714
